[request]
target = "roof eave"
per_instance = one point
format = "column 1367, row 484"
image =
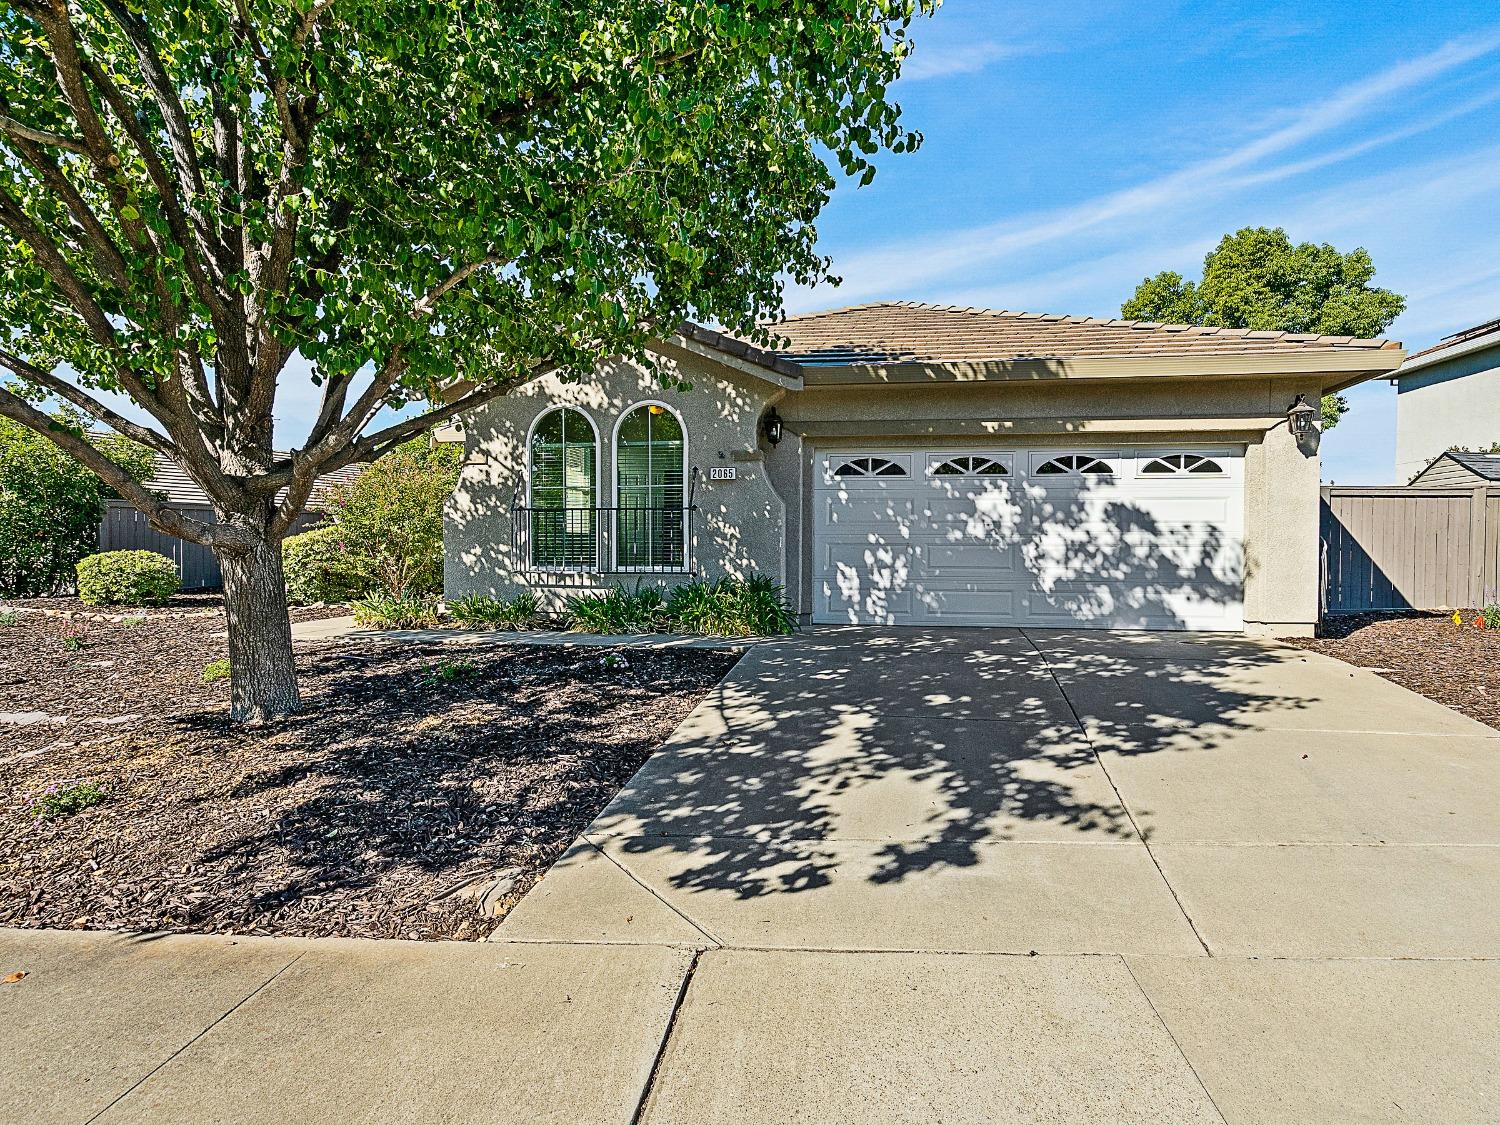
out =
column 1345, row 366
column 1433, row 356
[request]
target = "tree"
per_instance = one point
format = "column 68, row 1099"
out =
column 1256, row 278
column 50, row 505
column 392, row 515
column 428, row 201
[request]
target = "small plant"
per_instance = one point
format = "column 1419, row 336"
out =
column 133, row 622
column 127, row 578
column 9, row 617
column 215, row 671
column 619, row 611
column 451, row 672
column 387, row 611
column 64, row 798
column 74, row 639
column 754, row 607
column 1490, row 615
column 476, row 611
column 614, row 662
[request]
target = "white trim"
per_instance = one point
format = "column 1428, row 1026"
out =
column 531, row 480
column 614, row 485
column 1144, row 457
column 1005, row 459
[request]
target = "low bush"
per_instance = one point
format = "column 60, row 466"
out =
column 755, row 607
column 127, row 578
column 1491, row 615
column 320, row 566
column 66, row 798
column 476, row 611
column 387, row 611
column 9, row 617
column 215, row 671
column 619, row 611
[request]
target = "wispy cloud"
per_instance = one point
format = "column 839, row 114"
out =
column 930, row 60
column 908, row 264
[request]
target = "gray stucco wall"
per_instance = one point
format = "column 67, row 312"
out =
column 762, row 521
column 1447, row 404
column 738, row 526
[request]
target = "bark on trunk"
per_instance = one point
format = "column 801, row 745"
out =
column 262, row 673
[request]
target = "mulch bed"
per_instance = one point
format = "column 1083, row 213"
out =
column 1427, row 653
column 354, row 818
column 194, row 604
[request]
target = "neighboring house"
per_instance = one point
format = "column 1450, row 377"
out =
column 909, row 464
column 1457, row 469
column 125, row 527
column 1448, row 395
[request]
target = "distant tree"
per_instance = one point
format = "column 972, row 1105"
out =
column 50, row 505
column 1257, row 278
column 428, row 202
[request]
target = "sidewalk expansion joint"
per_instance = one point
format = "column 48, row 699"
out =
column 666, row 1038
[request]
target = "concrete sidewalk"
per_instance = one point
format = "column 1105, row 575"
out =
column 891, row 876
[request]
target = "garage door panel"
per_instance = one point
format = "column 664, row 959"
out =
column 1123, row 551
column 990, row 558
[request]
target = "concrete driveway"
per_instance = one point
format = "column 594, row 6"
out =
column 891, row 876
column 1058, row 876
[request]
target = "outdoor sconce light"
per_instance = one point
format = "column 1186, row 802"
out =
column 1300, row 417
column 773, row 426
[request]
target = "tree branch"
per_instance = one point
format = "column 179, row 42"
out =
column 425, row 303
column 91, row 406
column 166, row 519
column 21, row 131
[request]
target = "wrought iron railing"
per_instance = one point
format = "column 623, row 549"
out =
column 605, row 538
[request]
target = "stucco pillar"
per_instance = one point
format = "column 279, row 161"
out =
column 1281, row 533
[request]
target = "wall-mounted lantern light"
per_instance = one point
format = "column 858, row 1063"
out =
column 1300, row 417
column 773, row 426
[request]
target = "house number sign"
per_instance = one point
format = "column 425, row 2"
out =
column 721, row 472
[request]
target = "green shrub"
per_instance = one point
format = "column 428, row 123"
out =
column 391, row 611
column 127, row 578
column 215, row 671
column 618, row 611
column 9, row 617
column 66, row 798
column 476, row 611
column 320, row 566
column 51, row 506
column 391, row 516
column 1491, row 614
column 755, row 607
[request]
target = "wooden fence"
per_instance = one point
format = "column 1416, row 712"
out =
column 1410, row 548
column 124, row 528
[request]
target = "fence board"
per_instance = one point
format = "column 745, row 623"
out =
column 1409, row 548
column 124, row 528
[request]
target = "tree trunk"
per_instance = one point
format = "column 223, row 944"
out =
column 262, row 673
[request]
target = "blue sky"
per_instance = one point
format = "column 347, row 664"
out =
column 1070, row 150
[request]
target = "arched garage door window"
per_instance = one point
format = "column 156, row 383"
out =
column 564, row 494
column 650, row 470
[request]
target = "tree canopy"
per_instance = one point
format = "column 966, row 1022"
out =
column 427, row 199
column 1257, row 278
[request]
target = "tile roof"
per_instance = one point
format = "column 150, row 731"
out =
column 890, row 332
column 1486, row 465
column 731, row 345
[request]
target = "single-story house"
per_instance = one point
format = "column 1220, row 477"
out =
column 1456, row 468
column 913, row 464
column 126, row 528
column 1448, row 395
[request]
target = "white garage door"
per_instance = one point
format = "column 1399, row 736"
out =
column 1148, row 538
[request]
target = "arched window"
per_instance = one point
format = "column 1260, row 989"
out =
column 564, row 493
column 650, row 476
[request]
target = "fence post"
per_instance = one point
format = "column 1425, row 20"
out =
column 1479, row 504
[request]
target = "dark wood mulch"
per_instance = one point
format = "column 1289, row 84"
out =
column 194, row 603
column 353, row 818
column 1457, row 666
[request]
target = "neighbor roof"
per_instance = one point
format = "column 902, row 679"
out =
column 1486, row 465
column 1477, row 338
column 891, row 332
column 179, row 488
